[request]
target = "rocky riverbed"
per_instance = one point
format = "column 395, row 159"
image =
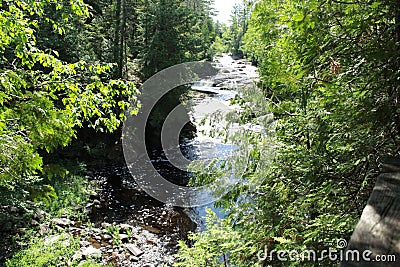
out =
column 117, row 244
column 146, row 232
column 125, row 226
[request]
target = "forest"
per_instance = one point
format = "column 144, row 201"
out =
column 325, row 101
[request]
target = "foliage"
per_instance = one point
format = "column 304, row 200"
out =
column 114, row 231
column 71, row 193
column 62, row 195
column 240, row 16
column 174, row 32
column 144, row 37
column 65, row 67
column 65, row 197
column 212, row 247
column 43, row 99
column 171, row 32
column 330, row 75
column 50, row 252
column 55, row 250
column 232, row 35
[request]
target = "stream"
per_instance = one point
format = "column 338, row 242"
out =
column 159, row 227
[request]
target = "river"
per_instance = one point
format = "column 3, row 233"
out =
column 159, row 227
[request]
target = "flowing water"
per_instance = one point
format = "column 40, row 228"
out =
column 148, row 231
column 121, row 201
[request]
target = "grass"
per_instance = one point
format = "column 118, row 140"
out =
column 62, row 196
column 52, row 251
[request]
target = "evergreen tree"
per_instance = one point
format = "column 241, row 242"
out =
column 330, row 75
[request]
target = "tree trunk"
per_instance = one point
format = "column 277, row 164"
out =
column 397, row 21
column 122, row 47
column 117, row 37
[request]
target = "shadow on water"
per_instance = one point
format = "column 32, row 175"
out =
column 121, row 201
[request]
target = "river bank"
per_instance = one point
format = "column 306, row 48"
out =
column 111, row 220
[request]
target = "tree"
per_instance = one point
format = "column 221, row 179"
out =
column 239, row 25
column 330, row 75
column 42, row 98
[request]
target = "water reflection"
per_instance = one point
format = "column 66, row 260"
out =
column 123, row 201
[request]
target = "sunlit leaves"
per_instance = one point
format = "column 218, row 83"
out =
column 320, row 65
column 42, row 98
column 330, row 71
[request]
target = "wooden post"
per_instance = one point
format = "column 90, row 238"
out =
column 378, row 230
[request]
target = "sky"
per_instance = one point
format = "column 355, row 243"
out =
column 224, row 8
